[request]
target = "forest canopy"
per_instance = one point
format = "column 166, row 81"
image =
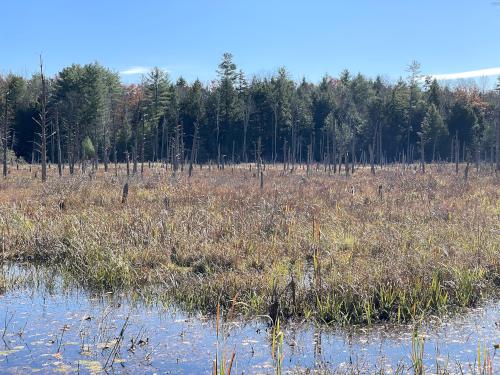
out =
column 237, row 118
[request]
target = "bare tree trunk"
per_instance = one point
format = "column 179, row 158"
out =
column 258, row 158
column 52, row 145
column 309, row 157
column 346, row 163
column 380, row 146
column 433, row 151
column 372, row 159
column 155, row 120
column 452, row 152
column 353, row 154
column 275, row 139
column 193, row 148
column 134, row 160
column 299, row 142
column 59, row 153
column 78, row 146
column 477, row 157
column 114, row 141
column 42, row 122
column 167, row 152
column 142, row 145
column 497, row 151
column 135, row 147
column 246, row 121
column 326, row 157
column 217, row 121
column 106, row 151
column 162, row 154
column 127, row 158
column 422, row 152
column 155, row 147
column 176, row 148
column 12, row 143
column 5, row 135
column 69, row 150
column 334, row 145
column 232, row 154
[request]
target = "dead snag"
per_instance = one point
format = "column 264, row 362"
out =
column 125, row 193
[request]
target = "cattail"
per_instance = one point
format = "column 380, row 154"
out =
column 231, row 363
column 217, row 319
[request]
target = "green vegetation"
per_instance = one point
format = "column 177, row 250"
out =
column 88, row 148
column 86, row 112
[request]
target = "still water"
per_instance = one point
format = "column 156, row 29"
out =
column 49, row 327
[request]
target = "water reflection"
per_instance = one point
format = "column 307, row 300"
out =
column 48, row 326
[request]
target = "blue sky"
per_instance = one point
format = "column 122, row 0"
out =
column 310, row 38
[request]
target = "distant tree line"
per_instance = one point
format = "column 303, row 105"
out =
column 89, row 116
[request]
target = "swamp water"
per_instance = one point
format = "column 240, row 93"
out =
column 50, row 327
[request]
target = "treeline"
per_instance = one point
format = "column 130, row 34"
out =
column 85, row 114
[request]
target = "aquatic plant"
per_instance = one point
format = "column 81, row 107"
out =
column 221, row 365
column 277, row 347
column 417, row 352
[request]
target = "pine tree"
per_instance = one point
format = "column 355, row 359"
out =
column 156, row 97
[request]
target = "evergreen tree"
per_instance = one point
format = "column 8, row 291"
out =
column 227, row 113
column 156, row 96
column 242, row 118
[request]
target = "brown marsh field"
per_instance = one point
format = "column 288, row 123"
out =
column 395, row 246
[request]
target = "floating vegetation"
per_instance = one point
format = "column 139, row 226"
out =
column 94, row 367
column 15, row 349
column 63, row 328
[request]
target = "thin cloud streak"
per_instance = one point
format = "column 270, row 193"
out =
column 136, row 70
column 469, row 74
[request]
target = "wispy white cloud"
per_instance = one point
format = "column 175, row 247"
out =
column 469, row 74
column 135, row 70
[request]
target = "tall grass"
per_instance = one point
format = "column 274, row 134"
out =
column 221, row 364
column 319, row 246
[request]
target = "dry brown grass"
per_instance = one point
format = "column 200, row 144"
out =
column 321, row 246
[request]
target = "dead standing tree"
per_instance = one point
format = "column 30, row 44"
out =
column 194, row 146
column 59, row 153
column 5, row 133
column 177, row 148
column 497, row 129
column 248, row 109
column 42, row 122
column 497, row 156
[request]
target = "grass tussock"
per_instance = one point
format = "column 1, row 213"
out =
column 392, row 247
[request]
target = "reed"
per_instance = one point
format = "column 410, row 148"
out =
column 303, row 246
column 221, row 364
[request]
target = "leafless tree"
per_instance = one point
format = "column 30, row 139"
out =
column 42, row 122
column 5, row 133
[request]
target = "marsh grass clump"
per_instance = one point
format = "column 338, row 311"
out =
column 3, row 284
column 319, row 246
